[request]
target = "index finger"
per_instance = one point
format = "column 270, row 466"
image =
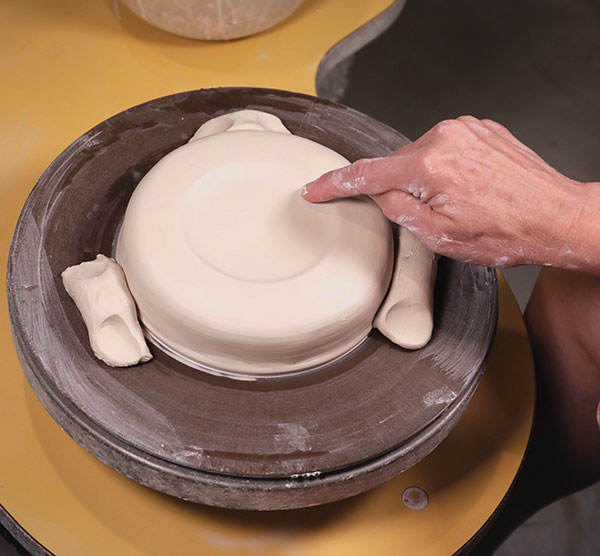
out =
column 368, row 176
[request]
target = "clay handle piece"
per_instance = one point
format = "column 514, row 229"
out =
column 242, row 120
column 100, row 292
column 406, row 315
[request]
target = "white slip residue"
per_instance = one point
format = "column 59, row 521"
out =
column 403, row 219
column 353, row 185
column 190, row 452
column 291, row 438
column 412, row 228
column 429, row 165
column 440, row 396
column 419, row 192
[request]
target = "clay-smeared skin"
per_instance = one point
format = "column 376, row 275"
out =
column 471, row 191
column 99, row 290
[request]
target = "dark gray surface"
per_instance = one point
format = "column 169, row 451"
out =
column 201, row 437
column 532, row 66
column 333, row 70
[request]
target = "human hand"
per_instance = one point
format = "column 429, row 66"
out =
column 471, row 191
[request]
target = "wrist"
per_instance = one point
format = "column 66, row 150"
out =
column 581, row 247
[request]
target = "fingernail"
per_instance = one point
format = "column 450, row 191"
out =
column 304, row 190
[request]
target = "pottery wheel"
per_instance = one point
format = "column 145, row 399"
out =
column 277, row 443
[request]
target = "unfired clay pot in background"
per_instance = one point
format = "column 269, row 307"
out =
column 213, row 19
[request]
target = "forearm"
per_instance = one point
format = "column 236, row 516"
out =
column 564, row 333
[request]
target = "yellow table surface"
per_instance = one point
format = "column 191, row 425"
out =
column 68, row 65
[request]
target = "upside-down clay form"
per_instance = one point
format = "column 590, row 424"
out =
column 232, row 270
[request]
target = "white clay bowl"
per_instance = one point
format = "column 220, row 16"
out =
column 233, row 272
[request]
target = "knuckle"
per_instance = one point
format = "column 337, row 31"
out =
column 359, row 168
column 449, row 130
column 445, row 127
column 462, row 130
column 468, row 119
column 494, row 125
column 428, row 160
